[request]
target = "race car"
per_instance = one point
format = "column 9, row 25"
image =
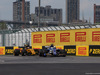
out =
column 16, row 52
column 52, row 51
column 25, row 51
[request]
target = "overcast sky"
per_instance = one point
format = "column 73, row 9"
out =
column 86, row 7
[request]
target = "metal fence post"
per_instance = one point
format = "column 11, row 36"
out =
column 18, row 38
column 3, row 39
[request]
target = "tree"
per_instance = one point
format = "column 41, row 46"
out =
column 3, row 26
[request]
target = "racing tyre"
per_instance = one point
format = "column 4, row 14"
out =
column 16, row 52
column 40, row 54
column 24, row 52
column 29, row 54
column 64, row 55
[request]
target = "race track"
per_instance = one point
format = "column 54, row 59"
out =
column 10, row 59
column 35, row 65
column 50, row 69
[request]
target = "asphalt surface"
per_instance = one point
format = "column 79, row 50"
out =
column 35, row 65
column 50, row 69
column 10, row 59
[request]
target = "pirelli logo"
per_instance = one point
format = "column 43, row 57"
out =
column 64, row 37
column 37, row 38
column 50, row 38
column 82, row 50
column 1, row 51
column 96, row 36
column 80, row 36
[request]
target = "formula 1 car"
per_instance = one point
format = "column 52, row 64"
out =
column 52, row 51
column 25, row 51
column 17, row 52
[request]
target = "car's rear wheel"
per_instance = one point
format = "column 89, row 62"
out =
column 64, row 55
column 29, row 54
column 40, row 54
column 24, row 52
column 16, row 52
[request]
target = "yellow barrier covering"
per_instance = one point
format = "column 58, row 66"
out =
column 2, row 50
column 64, row 38
column 50, row 37
column 16, row 48
column 36, row 47
column 60, row 47
column 82, row 50
column 44, row 38
column 81, row 37
column 37, row 39
column 67, row 37
column 94, row 36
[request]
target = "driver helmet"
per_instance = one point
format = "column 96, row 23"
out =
column 52, row 45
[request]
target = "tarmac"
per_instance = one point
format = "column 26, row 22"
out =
column 10, row 59
column 35, row 65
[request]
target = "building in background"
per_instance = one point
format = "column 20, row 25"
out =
column 48, row 14
column 21, row 10
column 96, row 13
column 72, row 11
column 33, row 18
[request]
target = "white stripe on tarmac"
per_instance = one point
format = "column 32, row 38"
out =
column 92, row 73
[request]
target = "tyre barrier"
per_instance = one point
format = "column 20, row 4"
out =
column 72, row 50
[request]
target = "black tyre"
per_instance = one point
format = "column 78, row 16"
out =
column 37, row 51
column 24, row 52
column 16, row 52
column 57, row 53
column 40, row 54
column 29, row 54
column 64, row 53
